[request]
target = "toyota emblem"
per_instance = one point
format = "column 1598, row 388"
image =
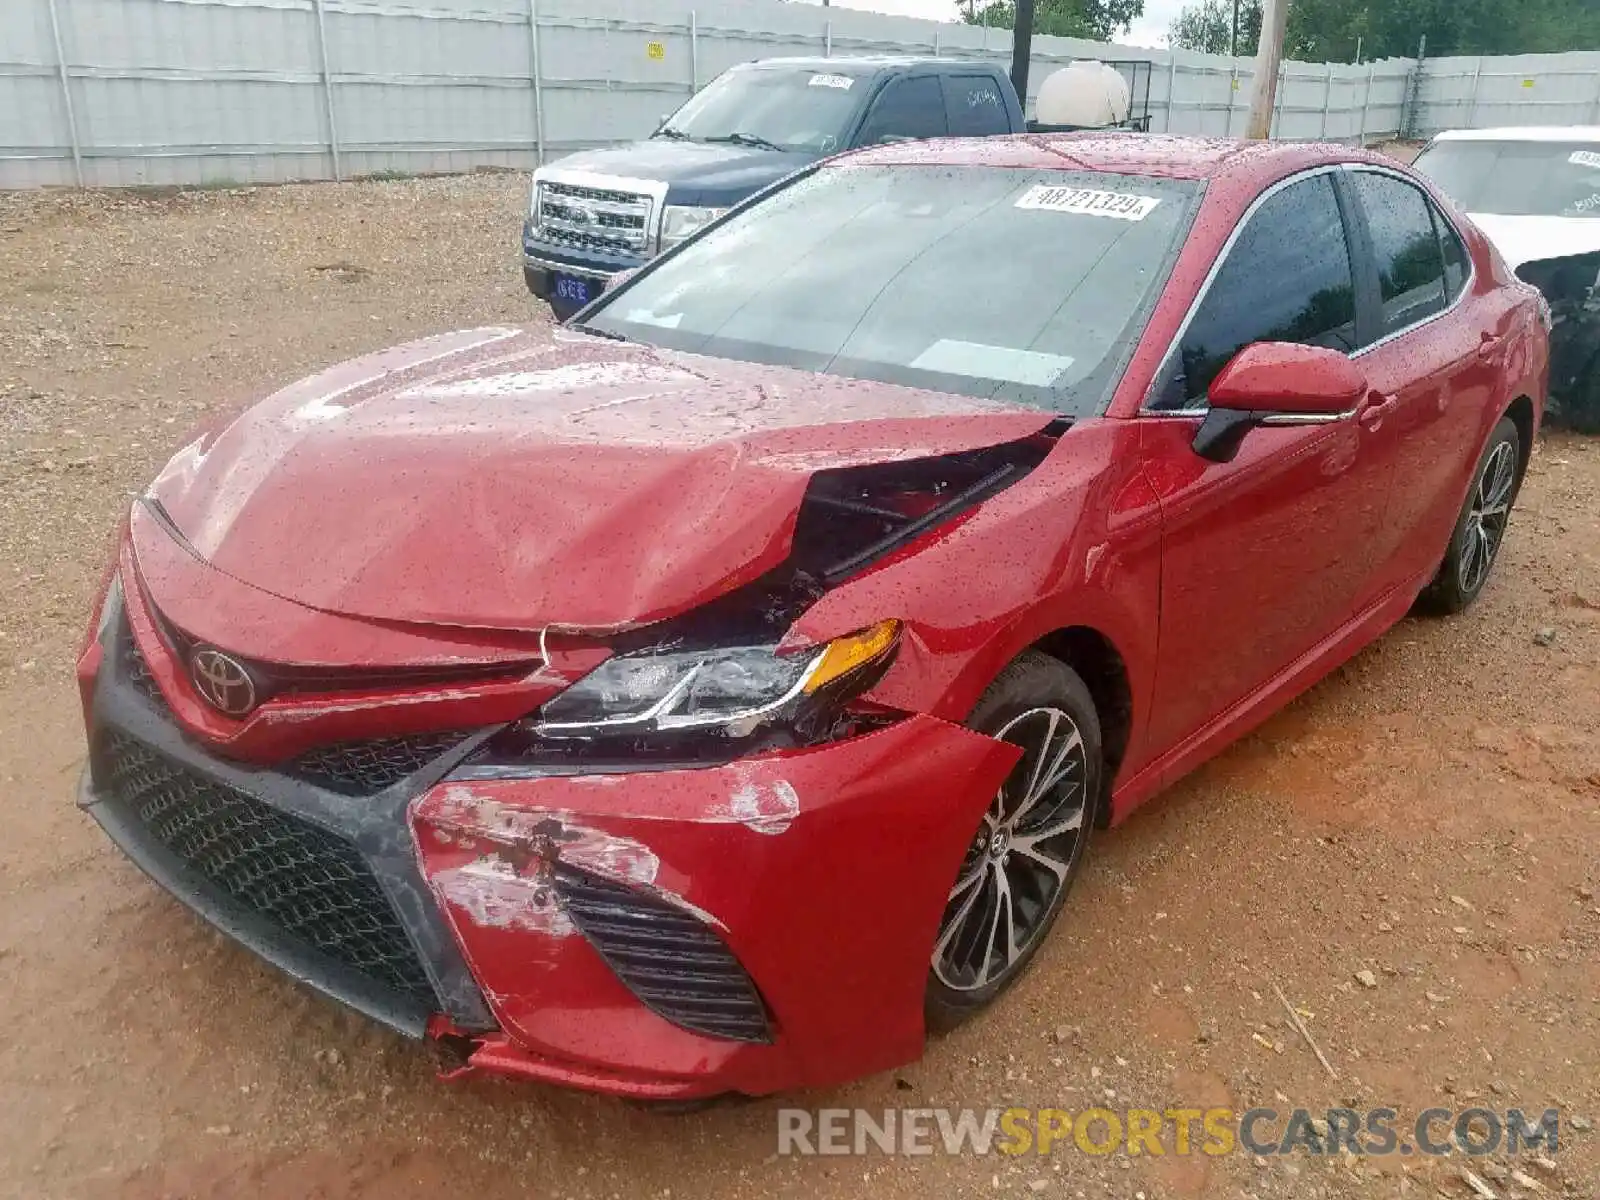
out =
column 222, row 682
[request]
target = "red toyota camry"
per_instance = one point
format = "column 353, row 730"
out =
column 718, row 693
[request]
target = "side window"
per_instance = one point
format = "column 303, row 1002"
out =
column 973, row 107
column 1286, row 279
column 909, row 107
column 1410, row 262
column 1456, row 268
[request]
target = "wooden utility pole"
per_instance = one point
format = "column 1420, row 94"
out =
column 1021, row 49
column 1269, row 57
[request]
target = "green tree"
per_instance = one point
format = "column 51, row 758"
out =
column 1331, row 30
column 1098, row 20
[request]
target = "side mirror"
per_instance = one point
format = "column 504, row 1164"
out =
column 1277, row 383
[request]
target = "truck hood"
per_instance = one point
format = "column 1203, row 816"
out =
column 1530, row 239
column 716, row 176
column 508, row 479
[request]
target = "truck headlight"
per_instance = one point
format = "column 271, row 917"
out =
column 735, row 689
column 681, row 221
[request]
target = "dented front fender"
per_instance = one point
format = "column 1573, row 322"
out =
column 825, row 872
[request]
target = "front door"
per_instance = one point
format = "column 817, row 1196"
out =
column 1265, row 556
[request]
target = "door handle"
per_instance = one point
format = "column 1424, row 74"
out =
column 1489, row 347
column 1377, row 407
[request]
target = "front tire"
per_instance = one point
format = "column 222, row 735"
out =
column 1481, row 528
column 1029, row 846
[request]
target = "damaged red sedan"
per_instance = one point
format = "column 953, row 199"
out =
column 718, row 693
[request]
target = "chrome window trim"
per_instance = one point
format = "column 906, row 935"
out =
column 1227, row 248
column 1434, row 206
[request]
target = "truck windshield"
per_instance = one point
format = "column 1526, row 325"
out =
column 782, row 108
column 1518, row 178
column 1031, row 286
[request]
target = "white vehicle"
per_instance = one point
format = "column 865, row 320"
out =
column 1536, row 193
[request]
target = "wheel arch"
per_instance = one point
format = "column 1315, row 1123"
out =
column 1104, row 670
column 1521, row 412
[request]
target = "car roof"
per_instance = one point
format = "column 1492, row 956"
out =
column 871, row 62
column 1162, row 155
column 1524, row 133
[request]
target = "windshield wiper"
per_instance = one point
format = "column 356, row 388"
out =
column 677, row 135
column 748, row 139
column 594, row 331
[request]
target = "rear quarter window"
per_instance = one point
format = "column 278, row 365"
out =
column 974, row 106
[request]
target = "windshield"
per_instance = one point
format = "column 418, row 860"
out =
column 786, row 108
column 1030, row 286
column 1518, row 179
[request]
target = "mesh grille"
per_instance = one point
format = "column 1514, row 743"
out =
column 137, row 671
column 677, row 966
column 310, row 883
column 361, row 768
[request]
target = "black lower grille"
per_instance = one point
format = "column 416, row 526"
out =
column 310, row 883
column 361, row 768
column 677, row 966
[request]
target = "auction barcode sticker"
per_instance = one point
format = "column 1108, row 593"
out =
column 843, row 82
column 1585, row 158
column 1121, row 205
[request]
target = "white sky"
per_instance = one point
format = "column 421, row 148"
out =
column 1149, row 30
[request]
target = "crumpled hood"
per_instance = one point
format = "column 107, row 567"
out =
column 505, row 478
column 1530, row 239
column 715, row 175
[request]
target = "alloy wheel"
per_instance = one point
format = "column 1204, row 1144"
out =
column 1021, row 859
column 1486, row 519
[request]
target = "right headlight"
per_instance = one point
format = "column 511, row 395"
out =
column 732, row 690
column 682, row 221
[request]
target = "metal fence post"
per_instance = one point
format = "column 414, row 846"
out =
column 1172, row 88
column 66, row 96
column 694, row 51
column 1327, row 102
column 827, row 39
column 536, row 78
column 1594, row 116
column 327, row 89
column 1366, row 105
column 1472, row 102
column 1277, row 108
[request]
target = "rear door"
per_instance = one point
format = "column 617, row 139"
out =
column 1434, row 361
column 1265, row 556
column 974, row 106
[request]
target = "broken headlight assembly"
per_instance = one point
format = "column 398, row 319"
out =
column 733, row 692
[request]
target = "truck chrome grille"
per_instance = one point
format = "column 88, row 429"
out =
column 594, row 218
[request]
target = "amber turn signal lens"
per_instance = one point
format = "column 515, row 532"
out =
column 845, row 654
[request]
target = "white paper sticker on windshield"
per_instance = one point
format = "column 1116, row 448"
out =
column 1122, row 205
column 843, row 82
column 1585, row 158
column 975, row 360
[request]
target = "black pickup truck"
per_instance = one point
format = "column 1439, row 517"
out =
column 594, row 214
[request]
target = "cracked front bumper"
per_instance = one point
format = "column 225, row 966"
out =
column 822, row 871
column 659, row 933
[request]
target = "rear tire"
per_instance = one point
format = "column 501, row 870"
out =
column 1029, row 846
column 1481, row 528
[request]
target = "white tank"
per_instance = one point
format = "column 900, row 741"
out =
column 1085, row 93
